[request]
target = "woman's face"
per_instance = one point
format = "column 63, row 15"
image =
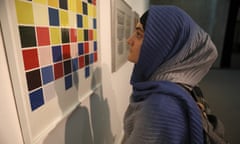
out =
column 135, row 43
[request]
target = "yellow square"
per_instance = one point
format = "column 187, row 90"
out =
column 72, row 5
column 80, row 35
column 94, row 35
column 90, row 10
column 94, row 9
column 79, row 6
column 64, row 18
column 41, row 1
column 24, row 12
column 85, row 21
column 53, row 3
column 55, row 35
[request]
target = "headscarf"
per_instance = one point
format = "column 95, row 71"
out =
column 143, row 19
column 174, row 48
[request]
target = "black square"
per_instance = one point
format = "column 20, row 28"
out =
column 33, row 79
column 86, row 59
column 85, row 35
column 67, row 67
column 63, row 4
column 65, row 35
column 85, row 8
column 27, row 36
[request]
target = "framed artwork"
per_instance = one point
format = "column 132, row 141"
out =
column 121, row 30
column 52, row 50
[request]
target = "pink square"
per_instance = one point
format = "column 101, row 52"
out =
column 74, row 50
column 45, row 57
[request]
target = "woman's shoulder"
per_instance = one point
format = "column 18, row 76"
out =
column 157, row 91
column 164, row 103
column 162, row 96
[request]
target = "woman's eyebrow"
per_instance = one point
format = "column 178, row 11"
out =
column 139, row 28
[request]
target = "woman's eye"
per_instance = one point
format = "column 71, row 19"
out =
column 138, row 35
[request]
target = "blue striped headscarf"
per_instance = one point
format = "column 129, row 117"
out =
column 174, row 48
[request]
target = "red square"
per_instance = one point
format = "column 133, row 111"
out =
column 81, row 62
column 30, row 58
column 73, row 35
column 94, row 2
column 58, row 70
column 90, row 34
column 95, row 57
column 43, row 36
column 86, row 47
column 66, row 51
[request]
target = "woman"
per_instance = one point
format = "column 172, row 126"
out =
column 171, row 53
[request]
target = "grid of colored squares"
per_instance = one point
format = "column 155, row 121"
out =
column 58, row 38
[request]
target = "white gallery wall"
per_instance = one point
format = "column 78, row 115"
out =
column 9, row 124
column 116, row 85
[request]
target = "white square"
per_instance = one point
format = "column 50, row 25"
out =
column 72, row 18
column 40, row 13
column 49, row 91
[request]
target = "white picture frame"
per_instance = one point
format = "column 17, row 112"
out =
column 121, row 29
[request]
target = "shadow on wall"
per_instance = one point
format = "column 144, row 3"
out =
column 79, row 125
column 100, row 117
column 78, row 128
column 81, row 122
column 88, row 123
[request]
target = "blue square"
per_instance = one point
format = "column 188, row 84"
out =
column 68, row 82
column 91, row 58
column 95, row 46
column 56, row 53
column 94, row 23
column 75, row 64
column 36, row 99
column 87, row 72
column 80, row 49
column 53, row 17
column 79, row 21
column 47, row 74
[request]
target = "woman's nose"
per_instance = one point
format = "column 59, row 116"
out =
column 129, row 41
